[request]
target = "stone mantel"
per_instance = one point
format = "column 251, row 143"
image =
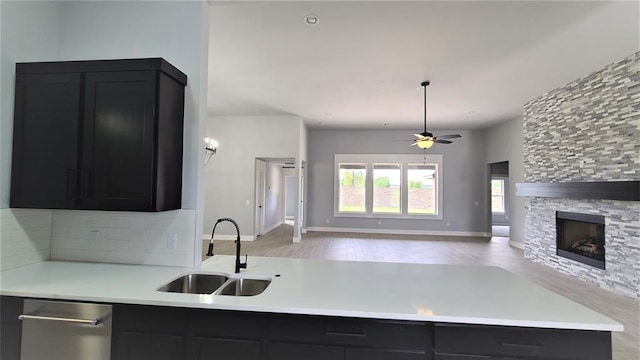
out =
column 603, row 190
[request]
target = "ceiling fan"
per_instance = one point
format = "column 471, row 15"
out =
column 425, row 139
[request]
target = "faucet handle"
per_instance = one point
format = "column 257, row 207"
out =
column 243, row 265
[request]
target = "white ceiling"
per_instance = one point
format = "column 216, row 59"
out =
column 361, row 66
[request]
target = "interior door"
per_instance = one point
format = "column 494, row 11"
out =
column 259, row 200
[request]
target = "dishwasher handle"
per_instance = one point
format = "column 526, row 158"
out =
column 94, row 322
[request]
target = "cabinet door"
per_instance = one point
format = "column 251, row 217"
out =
column 224, row 349
column 141, row 346
column 292, row 351
column 45, row 141
column 118, row 145
column 148, row 332
column 10, row 327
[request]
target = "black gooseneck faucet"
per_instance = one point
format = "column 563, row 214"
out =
column 239, row 264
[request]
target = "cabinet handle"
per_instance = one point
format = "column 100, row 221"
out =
column 71, row 183
column 520, row 343
column 93, row 322
column 357, row 332
column 86, row 182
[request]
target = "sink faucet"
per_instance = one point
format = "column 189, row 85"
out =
column 239, row 264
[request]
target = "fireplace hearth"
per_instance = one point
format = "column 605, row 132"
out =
column 580, row 237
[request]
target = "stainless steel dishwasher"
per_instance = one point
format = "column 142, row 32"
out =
column 55, row 330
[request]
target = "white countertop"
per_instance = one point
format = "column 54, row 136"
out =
column 438, row 293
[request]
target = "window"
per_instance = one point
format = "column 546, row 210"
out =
column 497, row 196
column 388, row 186
column 352, row 188
column 421, row 189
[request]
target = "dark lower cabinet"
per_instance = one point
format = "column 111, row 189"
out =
column 143, row 332
column 158, row 332
column 148, row 332
column 462, row 342
column 10, row 327
column 141, row 346
column 320, row 337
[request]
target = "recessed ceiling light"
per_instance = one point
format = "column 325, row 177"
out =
column 472, row 112
column 311, row 19
column 328, row 114
column 387, row 124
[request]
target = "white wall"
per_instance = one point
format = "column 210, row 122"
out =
column 463, row 181
column 505, row 142
column 229, row 175
column 123, row 237
column 290, row 195
column 28, row 32
column 77, row 30
column 25, row 237
column 133, row 29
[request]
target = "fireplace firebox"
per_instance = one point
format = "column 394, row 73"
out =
column 580, row 237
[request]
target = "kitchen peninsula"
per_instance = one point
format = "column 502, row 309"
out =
column 331, row 310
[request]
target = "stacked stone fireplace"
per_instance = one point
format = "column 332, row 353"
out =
column 587, row 131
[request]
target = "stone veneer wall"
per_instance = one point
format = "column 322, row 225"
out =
column 588, row 130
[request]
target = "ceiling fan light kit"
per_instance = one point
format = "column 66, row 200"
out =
column 425, row 140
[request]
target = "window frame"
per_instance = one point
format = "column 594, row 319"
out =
column 373, row 187
column 366, row 179
column 404, row 160
column 503, row 196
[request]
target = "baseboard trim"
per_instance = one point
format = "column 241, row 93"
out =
column 304, row 230
column 207, row 237
column 399, row 232
column 516, row 244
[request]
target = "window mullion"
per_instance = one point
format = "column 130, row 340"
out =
column 404, row 189
column 369, row 190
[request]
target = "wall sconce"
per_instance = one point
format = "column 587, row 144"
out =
column 210, row 147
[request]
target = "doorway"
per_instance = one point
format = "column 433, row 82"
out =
column 271, row 196
column 499, row 195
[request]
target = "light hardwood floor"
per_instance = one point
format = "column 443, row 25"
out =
column 449, row 250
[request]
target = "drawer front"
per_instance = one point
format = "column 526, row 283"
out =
column 224, row 349
column 357, row 332
column 150, row 319
column 288, row 351
column 225, row 324
column 470, row 357
column 529, row 342
column 383, row 354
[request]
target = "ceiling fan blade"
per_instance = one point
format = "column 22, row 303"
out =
column 442, row 141
column 414, row 144
column 451, row 136
column 403, row 140
column 419, row 136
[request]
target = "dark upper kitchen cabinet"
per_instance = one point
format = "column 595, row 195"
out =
column 100, row 135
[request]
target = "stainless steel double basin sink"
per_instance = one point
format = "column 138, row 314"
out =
column 215, row 284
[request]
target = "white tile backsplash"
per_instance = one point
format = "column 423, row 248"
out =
column 25, row 237
column 123, row 237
